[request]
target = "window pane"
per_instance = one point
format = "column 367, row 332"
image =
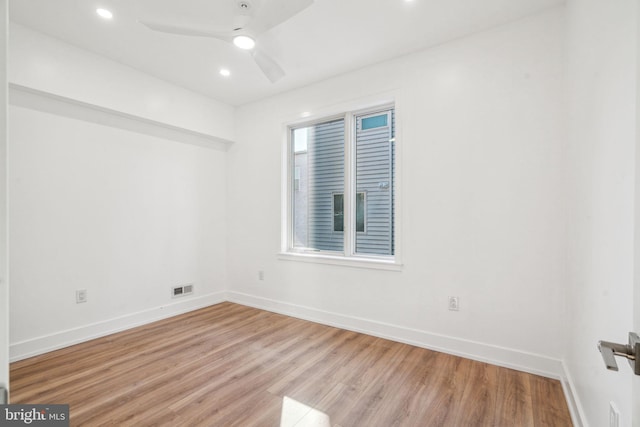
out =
column 338, row 212
column 319, row 154
column 374, row 121
column 360, row 218
column 375, row 177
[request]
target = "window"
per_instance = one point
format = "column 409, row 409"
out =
column 338, row 212
column 341, row 185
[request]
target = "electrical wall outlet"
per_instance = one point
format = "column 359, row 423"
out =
column 454, row 303
column 81, row 296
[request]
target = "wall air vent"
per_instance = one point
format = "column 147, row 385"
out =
column 180, row 291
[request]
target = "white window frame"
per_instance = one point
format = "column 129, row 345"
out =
column 349, row 257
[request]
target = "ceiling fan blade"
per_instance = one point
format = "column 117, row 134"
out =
column 245, row 9
column 269, row 67
column 276, row 12
column 187, row 31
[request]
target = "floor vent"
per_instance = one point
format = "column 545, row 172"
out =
column 180, row 291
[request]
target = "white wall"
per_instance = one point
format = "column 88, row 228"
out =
column 480, row 122
column 123, row 215
column 601, row 78
column 636, row 305
column 4, row 273
column 116, row 209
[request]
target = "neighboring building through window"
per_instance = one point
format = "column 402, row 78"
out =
column 343, row 182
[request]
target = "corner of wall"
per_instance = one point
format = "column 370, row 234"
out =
column 573, row 401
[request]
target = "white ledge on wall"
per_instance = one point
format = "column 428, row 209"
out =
column 22, row 96
column 355, row 262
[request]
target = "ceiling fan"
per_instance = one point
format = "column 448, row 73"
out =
column 252, row 18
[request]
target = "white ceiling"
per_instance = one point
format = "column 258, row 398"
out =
column 328, row 38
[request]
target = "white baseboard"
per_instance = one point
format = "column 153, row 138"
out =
column 495, row 355
column 573, row 402
column 35, row 346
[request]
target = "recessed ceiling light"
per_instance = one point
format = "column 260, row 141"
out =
column 224, row 72
column 244, row 42
column 104, row 13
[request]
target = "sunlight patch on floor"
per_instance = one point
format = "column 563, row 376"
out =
column 298, row 414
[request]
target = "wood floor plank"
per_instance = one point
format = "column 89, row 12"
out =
column 231, row 365
column 515, row 403
column 370, row 403
column 545, row 389
column 411, row 396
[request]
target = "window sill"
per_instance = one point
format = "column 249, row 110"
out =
column 355, row 262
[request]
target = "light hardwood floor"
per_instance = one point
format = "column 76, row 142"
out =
column 231, row 365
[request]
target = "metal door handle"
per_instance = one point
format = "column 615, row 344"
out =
column 629, row 351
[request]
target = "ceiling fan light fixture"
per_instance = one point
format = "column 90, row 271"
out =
column 225, row 72
column 244, row 42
